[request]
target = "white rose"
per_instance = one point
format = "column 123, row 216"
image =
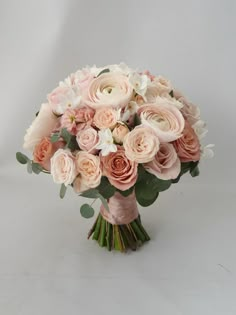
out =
column 41, row 127
column 63, row 167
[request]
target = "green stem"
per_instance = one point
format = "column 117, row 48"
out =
column 137, row 231
column 97, row 228
column 102, row 233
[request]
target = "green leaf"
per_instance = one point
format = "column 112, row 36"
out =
column 103, row 71
column 66, row 135
column 127, row 192
column 91, row 193
column 137, row 120
column 21, row 158
column 161, row 185
column 94, row 194
column 171, row 93
column 63, row 191
column 29, row 167
column 86, row 211
column 72, row 144
column 37, row 113
column 105, row 188
column 195, row 172
column 55, row 137
column 146, row 202
column 104, row 201
column 36, row 168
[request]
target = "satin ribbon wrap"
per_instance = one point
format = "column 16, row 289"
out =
column 122, row 210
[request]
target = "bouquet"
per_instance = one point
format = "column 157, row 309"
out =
column 118, row 135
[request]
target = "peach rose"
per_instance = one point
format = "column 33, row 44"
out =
column 105, row 117
column 141, row 144
column 88, row 167
column 109, row 89
column 120, row 171
column 166, row 120
column 188, row 146
column 87, row 139
column 166, row 164
column 42, row 126
column 63, row 168
column 119, row 132
column 44, row 150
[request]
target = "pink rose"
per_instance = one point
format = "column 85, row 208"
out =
column 166, row 164
column 165, row 119
column 44, row 150
column 141, row 144
column 119, row 132
column 87, row 139
column 42, row 126
column 188, row 146
column 105, row 117
column 109, row 89
column 63, row 98
column 120, row 171
column 63, row 168
column 88, row 168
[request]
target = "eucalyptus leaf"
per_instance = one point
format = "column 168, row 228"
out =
column 103, row 71
column 127, row 192
column 171, row 93
column 21, row 158
column 66, row 135
column 86, row 211
column 55, row 137
column 104, row 201
column 105, row 188
column 36, row 168
column 195, row 172
column 91, row 193
column 29, row 167
column 137, row 120
column 72, row 144
column 63, row 191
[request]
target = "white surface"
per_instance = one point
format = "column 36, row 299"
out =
column 47, row 266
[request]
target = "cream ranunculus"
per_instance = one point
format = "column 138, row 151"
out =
column 41, row 127
column 166, row 164
column 63, row 167
column 109, row 89
column 88, row 168
column 166, row 120
column 141, row 144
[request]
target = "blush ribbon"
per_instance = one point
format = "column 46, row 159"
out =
column 122, row 210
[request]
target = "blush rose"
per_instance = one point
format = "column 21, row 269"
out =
column 120, row 171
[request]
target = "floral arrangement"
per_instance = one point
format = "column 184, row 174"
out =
column 120, row 136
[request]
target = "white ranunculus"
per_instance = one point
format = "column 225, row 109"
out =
column 42, row 126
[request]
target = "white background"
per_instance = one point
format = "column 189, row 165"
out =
column 47, row 266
